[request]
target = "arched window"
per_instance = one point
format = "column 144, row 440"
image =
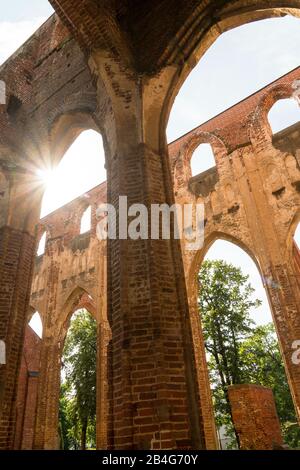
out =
column 81, row 169
column 42, row 245
column 85, row 225
column 283, row 114
column 78, row 383
column 231, row 253
column 202, row 159
column 36, row 324
column 240, row 340
column 240, row 62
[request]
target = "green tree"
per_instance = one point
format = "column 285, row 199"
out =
column 78, row 393
column 225, row 300
column 238, row 351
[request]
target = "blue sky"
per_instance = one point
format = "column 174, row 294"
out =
column 19, row 19
column 240, row 62
column 20, row 10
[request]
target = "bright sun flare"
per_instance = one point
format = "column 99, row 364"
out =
column 47, row 176
column 81, row 169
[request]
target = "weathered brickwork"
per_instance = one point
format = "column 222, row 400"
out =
column 16, row 259
column 78, row 262
column 27, row 391
column 107, row 68
column 255, row 417
column 70, row 275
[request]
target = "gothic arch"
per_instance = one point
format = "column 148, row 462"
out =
column 194, row 41
column 189, row 146
column 31, row 312
column 70, row 306
column 209, row 241
column 260, row 131
column 65, row 129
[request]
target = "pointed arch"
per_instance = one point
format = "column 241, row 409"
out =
column 86, row 221
column 42, row 244
column 260, row 130
column 80, row 168
column 195, row 42
column 283, row 114
column 203, row 159
column 36, row 324
column 191, row 143
column 78, row 298
column 66, row 128
column 209, row 241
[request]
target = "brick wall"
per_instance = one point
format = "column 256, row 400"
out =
column 255, row 417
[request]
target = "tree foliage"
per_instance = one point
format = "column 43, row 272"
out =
column 238, row 351
column 78, row 390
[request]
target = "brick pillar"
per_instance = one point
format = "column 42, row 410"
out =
column 283, row 292
column 207, row 409
column 46, row 428
column 103, row 338
column 27, row 391
column 16, row 260
column 110, row 423
column 155, row 389
column 102, row 387
column 255, row 417
column 269, row 241
column 30, row 410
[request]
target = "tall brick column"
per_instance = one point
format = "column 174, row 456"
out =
column 269, row 242
column 16, row 257
column 155, row 390
column 255, row 417
column 46, row 429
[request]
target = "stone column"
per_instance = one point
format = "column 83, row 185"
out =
column 30, row 410
column 46, row 429
column 103, row 338
column 155, row 390
column 255, row 417
column 46, row 426
column 283, row 293
column 267, row 231
column 102, row 387
column 207, row 410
